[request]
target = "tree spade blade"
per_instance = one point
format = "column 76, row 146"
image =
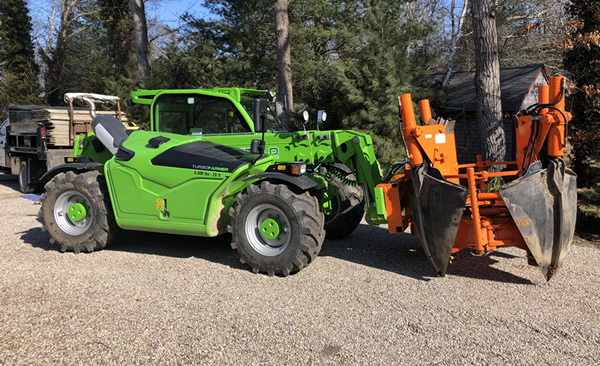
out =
column 543, row 204
column 437, row 207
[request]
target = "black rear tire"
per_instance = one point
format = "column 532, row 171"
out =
column 297, row 215
column 348, row 208
column 93, row 232
column 24, row 185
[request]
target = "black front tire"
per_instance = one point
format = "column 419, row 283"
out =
column 93, row 232
column 301, row 235
column 348, row 208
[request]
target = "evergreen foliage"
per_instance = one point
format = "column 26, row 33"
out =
column 243, row 38
column 381, row 65
column 321, row 32
column 582, row 60
column 117, row 29
column 18, row 70
column 78, row 62
column 186, row 63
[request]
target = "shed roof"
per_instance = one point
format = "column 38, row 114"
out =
column 515, row 83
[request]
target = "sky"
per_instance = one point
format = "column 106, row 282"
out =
column 169, row 11
column 166, row 11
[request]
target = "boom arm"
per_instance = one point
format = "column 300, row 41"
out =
column 355, row 150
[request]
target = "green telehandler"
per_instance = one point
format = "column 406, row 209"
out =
column 170, row 181
column 228, row 116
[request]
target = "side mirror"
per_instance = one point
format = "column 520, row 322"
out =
column 257, row 147
column 260, row 115
column 321, row 117
column 305, row 116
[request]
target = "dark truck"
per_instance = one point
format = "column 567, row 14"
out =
column 34, row 138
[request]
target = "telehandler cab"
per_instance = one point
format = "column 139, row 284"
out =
column 193, row 182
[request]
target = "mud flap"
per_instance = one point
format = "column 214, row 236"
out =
column 543, row 204
column 437, row 207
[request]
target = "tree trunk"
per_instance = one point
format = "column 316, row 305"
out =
column 140, row 35
column 284, row 59
column 487, row 80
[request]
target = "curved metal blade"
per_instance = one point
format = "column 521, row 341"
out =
column 543, row 204
column 437, row 207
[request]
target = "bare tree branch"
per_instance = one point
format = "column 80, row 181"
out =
column 456, row 34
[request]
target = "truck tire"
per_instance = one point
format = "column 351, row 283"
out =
column 77, row 213
column 275, row 230
column 24, row 185
column 347, row 208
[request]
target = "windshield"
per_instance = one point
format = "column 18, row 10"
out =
column 273, row 123
column 195, row 114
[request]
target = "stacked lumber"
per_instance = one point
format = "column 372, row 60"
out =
column 57, row 122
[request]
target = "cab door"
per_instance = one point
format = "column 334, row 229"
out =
column 3, row 157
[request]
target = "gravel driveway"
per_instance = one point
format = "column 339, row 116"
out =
column 372, row 299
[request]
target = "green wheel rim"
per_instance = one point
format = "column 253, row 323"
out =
column 270, row 228
column 77, row 212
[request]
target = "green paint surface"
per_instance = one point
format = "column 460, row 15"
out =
column 270, row 228
column 77, row 212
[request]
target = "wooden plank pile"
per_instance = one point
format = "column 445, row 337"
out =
column 57, row 123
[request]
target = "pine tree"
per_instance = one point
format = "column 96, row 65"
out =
column 385, row 60
column 322, row 33
column 582, row 63
column 18, row 70
column 115, row 19
column 244, row 39
column 186, row 63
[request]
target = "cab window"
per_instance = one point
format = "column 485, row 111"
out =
column 194, row 114
column 273, row 123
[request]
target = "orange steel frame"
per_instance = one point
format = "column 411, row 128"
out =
column 486, row 223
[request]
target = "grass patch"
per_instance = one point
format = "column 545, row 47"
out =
column 494, row 184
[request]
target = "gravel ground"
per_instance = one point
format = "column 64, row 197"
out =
column 372, row 299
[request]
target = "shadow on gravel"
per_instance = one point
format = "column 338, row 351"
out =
column 38, row 239
column 402, row 254
column 369, row 246
column 374, row 247
column 215, row 250
column 9, row 181
column 481, row 268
